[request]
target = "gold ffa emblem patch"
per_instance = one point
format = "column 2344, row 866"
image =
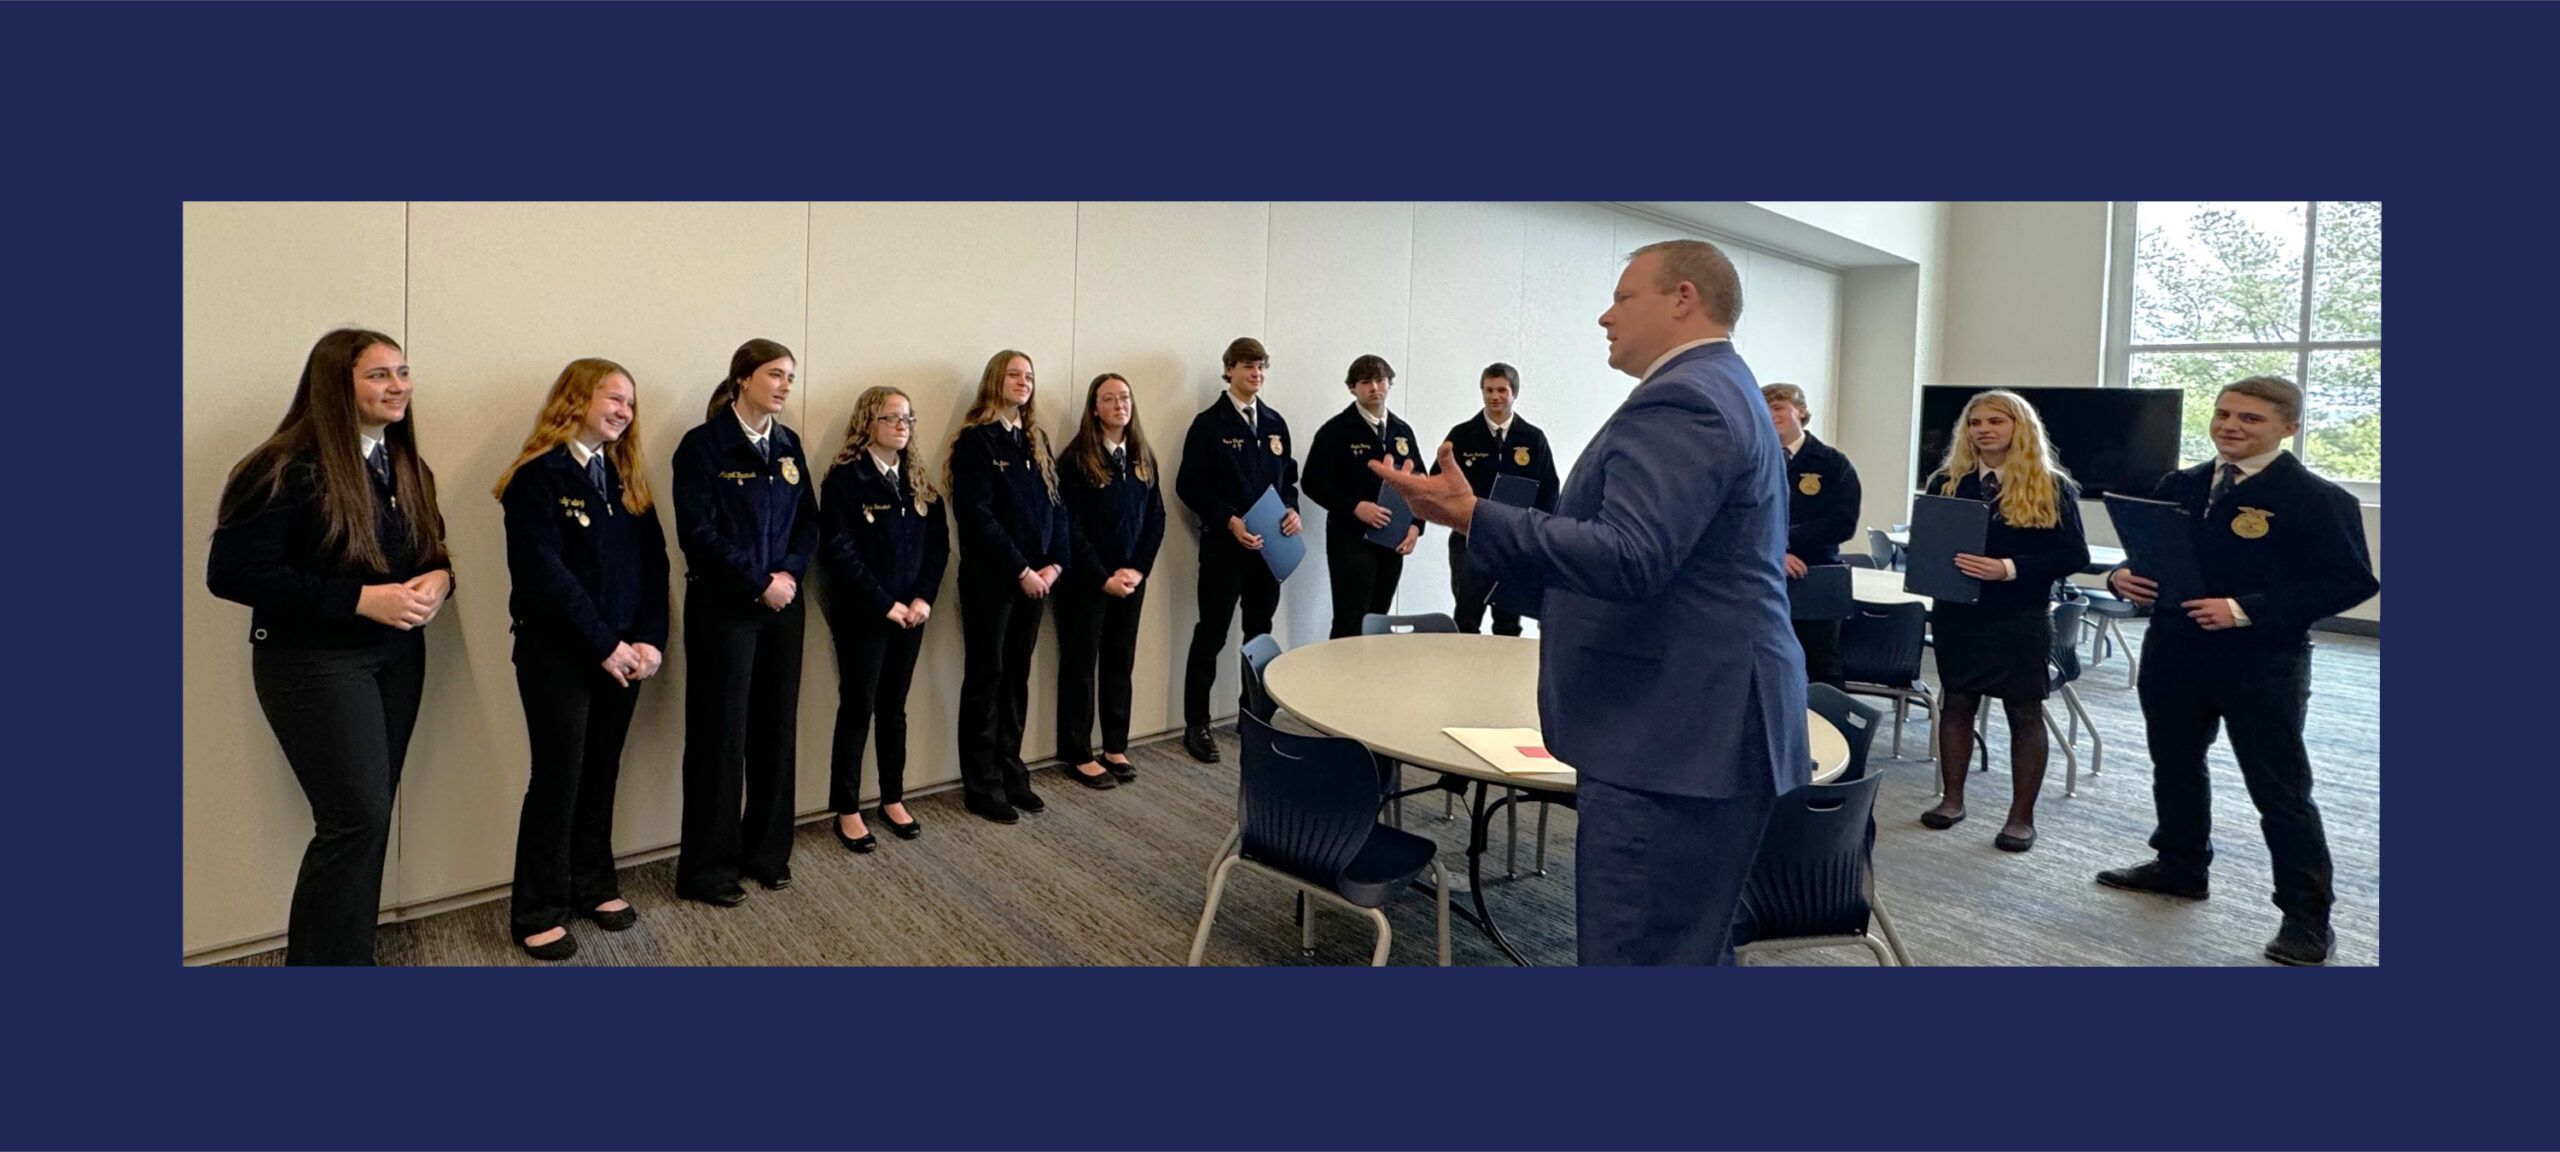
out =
column 790, row 470
column 2251, row 523
column 1520, row 456
column 1275, row 446
column 1810, row 484
column 1403, row 449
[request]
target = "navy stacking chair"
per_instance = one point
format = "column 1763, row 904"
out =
column 1813, row 884
column 1880, row 656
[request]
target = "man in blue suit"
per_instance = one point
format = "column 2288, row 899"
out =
column 1669, row 673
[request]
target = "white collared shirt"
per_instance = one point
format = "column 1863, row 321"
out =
column 1665, row 358
column 1247, row 410
column 365, row 446
column 1377, row 424
column 1798, row 442
column 2008, row 567
column 579, row 452
column 888, row 465
column 1501, row 432
column 755, row 439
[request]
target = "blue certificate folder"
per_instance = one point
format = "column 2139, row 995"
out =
column 1399, row 517
column 2160, row 544
column 1282, row 553
column 1942, row 527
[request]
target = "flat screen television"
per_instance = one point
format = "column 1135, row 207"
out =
column 2110, row 439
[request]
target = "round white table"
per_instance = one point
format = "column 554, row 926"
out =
column 1395, row 694
column 1877, row 586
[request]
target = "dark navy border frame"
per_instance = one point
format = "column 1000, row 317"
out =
column 118, row 113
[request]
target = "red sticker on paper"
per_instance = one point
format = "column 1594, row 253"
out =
column 1538, row 751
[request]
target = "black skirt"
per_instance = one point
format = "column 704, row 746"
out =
column 1996, row 652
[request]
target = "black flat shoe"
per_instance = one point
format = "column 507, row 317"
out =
column 614, row 921
column 2008, row 843
column 1100, row 781
column 1120, row 770
column 1197, row 742
column 775, row 883
column 2154, row 878
column 996, row 810
column 907, row 831
column 863, row 843
column 1028, row 800
column 561, row 949
column 1940, row 820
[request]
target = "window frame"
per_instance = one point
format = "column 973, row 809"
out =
column 2123, row 240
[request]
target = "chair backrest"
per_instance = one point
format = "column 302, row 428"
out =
column 1259, row 652
column 1880, row 548
column 1305, row 804
column 1880, row 643
column 1376, row 624
column 2065, row 661
column 1856, row 722
column 1822, row 593
column 1815, row 874
column 1857, row 560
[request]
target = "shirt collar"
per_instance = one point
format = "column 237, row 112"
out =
column 752, row 434
column 365, row 446
column 579, row 453
column 888, row 465
column 2251, row 466
column 1502, row 427
column 1244, row 408
column 1801, row 437
column 1378, row 424
column 1665, row 358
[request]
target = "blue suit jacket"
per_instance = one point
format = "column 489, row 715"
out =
column 1668, row 663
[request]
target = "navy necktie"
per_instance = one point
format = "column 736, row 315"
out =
column 595, row 473
column 2222, row 487
column 379, row 463
column 764, row 448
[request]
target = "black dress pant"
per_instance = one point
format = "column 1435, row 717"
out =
column 1095, row 628
column 1472, row 593
column 1364, row 580
column 1657, row 876
column 741, row 740
column 343, row 717
column 1229, row 573
column 2261, row 695
column 875, row 665
column 999, row 626
column 576, row 718
column 1821, row 642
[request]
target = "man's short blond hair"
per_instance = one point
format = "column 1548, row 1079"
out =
column 1772, row 393
column 1703, row 265
column 2284, row 394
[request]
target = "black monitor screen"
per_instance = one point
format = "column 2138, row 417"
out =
column 2109, row 439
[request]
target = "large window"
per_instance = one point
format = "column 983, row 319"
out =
column 2206, row 292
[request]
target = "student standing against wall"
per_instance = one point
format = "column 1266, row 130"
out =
column 2281, row 549
column 1822, row 511
column 1014, row 546
column 1110, row 480
column 884, row 546
column 1236, row 447
column 747, row 516
column 1495, row 442
column 1364, row 573
column 329, row 532
column 587, row 564
column 1999, row 645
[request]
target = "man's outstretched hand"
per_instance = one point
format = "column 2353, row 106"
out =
column 1443, row 499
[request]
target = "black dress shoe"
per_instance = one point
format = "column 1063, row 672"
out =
column 1940, row 820
column 2008, row 843
column 776, row 882
column 907, row 831
column 1028, row 800
column 2301, row 941
column 729, row 897
column 1196, row 741
column 614, row 921
column 1120, row 770
column 1100, row 781
column 567, row 946
column 2154, row 877
column 996, row 810
column 863, row 843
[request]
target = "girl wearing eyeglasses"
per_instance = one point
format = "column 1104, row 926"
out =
column 1109, row 478
column 883, row 545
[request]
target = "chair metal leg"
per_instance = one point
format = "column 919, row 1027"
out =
column 2080, row 715
column 1542, row 838
column 2070, row 757
column 1448, row 806
column 1234, row 840
column 1982, row 735
column 1209, row 908
column 1378, row 955
column 1511, row 838
column 1884, row 959
column 1306, row 925
column 1440, row 882
column 1891, row 937
column 1901, row 705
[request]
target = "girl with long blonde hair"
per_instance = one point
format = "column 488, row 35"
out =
column 588, row 561
column 1014, row 546
column 883, row 545
column 1998, row 645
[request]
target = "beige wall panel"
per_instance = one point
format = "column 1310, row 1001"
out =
column 1567, row 387
column 1469, row 265
column 260, row 283
column 1341, row 287
column 502, row 296
column 917, row 297
column 2025, row 294
column 1790, row 331
column 1160, row 290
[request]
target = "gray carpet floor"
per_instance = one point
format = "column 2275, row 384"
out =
column 1117, row 877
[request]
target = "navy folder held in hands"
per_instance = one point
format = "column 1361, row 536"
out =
column 2159, row 545
column 1942, row 527
column 1282, row 553
column 1399, row 517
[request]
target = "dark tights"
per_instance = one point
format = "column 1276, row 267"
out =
column 2027, row 748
